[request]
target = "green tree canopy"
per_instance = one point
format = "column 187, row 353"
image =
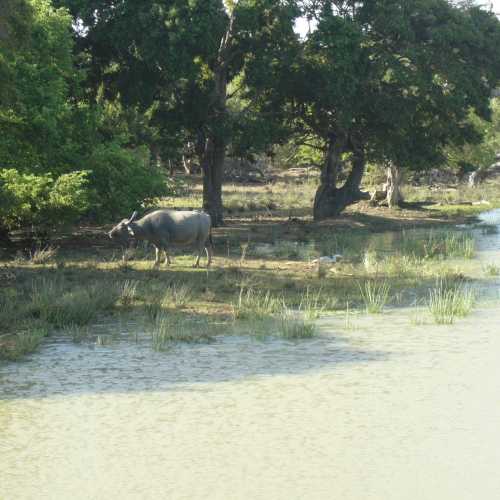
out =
column 392, row 82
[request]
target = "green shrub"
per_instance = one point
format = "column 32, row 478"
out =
column 42, row 201
column 122, row 181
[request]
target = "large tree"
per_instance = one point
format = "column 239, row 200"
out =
column 391, row 82
column 56, row 148
column 182, row 61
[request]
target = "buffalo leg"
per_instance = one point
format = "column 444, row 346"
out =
column 200, row 250
column 209, row 255
column 168, row 260
column 157, row 256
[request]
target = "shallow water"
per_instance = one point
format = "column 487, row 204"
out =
column 384, row 410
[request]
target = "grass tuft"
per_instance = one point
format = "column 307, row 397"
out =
column 256, row 304
column 127, row 292
column 26, row 340
column 447, row 301
column 294, row 325
column 375, row 295
column 43, row 255
column 491, row 269
column 170, row 328
column 53, row 303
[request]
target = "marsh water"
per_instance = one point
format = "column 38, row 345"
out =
column 383, row 409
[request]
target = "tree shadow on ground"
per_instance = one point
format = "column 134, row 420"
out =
column 63, row 368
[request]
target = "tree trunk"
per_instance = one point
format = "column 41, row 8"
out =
column 394, row 196
column 4, row 237
column 330, row 201
column 213, row 173
column 324, row 199
column 214, row 153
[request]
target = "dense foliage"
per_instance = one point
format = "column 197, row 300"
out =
column 52, row 137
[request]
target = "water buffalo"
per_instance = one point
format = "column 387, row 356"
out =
column 167, row 228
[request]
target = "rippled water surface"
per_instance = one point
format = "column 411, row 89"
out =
column 386, row 410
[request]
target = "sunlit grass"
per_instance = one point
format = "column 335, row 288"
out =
column 375, row 295
column 252, row 303
column 448, row 301
column 43, row 255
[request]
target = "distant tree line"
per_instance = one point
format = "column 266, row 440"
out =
column 97, row 96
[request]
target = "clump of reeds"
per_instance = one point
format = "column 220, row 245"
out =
column 447, row 301
column 127, row 292
column 153, row 308
column 11, row 310
column 492, row 269
column 52, row 302
column 169, row 328
column 78, row 333
column 26, row 339
column 180, row 294
column 375, row 295
column 294, row 325
column 348, row 323
column 256, row 304
column 312, row 303
column 370, row 261
column 42, row 255
column 438, row 244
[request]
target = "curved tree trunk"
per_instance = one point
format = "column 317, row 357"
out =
column 394, row 196
column 330, row 201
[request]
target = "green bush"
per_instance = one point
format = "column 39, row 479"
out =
column 122, row 181
column 42, row 201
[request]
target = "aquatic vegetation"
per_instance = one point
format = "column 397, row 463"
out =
column 153, row 308
column 492, row 269
column 375, row 295
column 312, row 304
column 78, row 333
column 52, row 302
column 26, row 340
column 402, row 265
column 294, row 325
column 104, row 340
column 181, row 294
column 416, row 316
column 256, row 304
column 370, row 261
column 169, row 328
column 437, row 244
column 127, row 292
column 11, row 310
column 348, row 321
column 447, row 301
